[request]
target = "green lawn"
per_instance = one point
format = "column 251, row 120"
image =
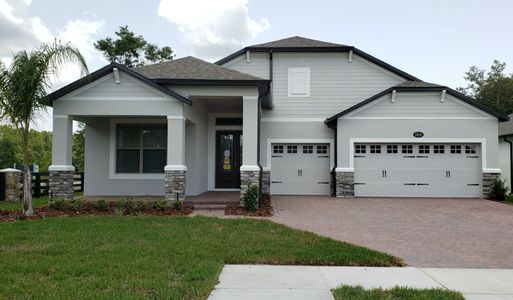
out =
column 146, row 256
column 398, row 293
column 36, row 202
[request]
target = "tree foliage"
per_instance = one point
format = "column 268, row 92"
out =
column 79, row 148
column 23, row 93
column 493, row 88
column 132, row 50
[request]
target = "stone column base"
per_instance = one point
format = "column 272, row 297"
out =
column 344, row 185
column 248, row 178
column 61, row 185
column 12, row 190
column 488, row 179
column 174, row 186
column 266, row 183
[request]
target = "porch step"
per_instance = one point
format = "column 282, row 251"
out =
column 210, row 206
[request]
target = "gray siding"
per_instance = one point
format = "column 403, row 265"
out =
column 196, row 148
column 258, row 65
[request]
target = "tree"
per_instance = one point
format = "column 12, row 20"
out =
column 493, row 88
column 79, row 147
column 23, row 89
column 9, row 150
column 131, row 50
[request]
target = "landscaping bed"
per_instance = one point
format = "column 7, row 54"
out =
column 397, row 293
column 241, row 211
column 178, row 257
column 80, row 207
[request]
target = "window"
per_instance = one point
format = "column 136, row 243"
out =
column 470, row 149
column 424, row 149
column 308, row 149
column 291, row 149
column 141, row 148
column 322, row 149
column 277, row 149
column 391, row 148
column 439, row 149
column 299, row 82
column 407, row 149
column 455, row 149
column 360, row 149
column 375, row 148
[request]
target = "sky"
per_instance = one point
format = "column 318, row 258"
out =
column 436, row 40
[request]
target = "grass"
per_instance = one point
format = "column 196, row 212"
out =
column 152, row 257
column 36, row 202
column 397, row 293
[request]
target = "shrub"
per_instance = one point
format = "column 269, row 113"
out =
column 161, row 205
column 499, row 190
column 78, row 204
column 250, row 198
column 121, row 204
column 141, row 205
column 101, row 205
column 177, row 204
column 60, row 204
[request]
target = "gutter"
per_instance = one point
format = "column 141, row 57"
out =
column 510, row 160
column 334, row 127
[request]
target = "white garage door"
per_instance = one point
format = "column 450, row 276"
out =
column 417, row 170
column 300, row 169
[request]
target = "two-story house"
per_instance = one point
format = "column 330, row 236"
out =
column 295, row 116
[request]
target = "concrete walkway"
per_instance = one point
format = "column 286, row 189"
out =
column 315, row 282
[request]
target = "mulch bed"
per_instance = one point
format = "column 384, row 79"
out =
column 89, row 210
column 266, row 210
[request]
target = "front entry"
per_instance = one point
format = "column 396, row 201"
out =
column 228, row 159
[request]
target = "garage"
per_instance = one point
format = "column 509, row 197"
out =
column 417, row 170
column 300, row 169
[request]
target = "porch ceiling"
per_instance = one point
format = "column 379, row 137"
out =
column 221, row 104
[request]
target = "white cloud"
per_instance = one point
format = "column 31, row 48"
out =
column 212, row 28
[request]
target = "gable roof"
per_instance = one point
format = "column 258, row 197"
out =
column 301, row 44
column 192, row 68
column 506, row 128
column 418, row 86
column 106, row 70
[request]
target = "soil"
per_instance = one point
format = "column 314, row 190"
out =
column 240, row 211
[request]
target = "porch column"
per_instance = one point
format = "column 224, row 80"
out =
column 250, row 170
column 62, row 170
column 175, row 169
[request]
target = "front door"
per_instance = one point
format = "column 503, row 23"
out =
column 228, row 159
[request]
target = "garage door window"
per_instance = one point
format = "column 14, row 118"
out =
column 360, row 149
column 407, row 149
column 424, row 149
column 307, row 149
column 375, row 148
column 292, row 149
column 391, row 149
column 322, row 149
column 278, row 149
column 439, row 149
column 470, row 149
column 455, row 149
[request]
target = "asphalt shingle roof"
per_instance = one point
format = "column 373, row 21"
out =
column 418, row 84
column 506, row 128
column 191, row 68
column 296, row 41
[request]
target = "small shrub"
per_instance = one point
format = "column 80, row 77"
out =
column 60, row 204
column 78, row 204
column 250, row 198
column 499, row 190
column 121, row 204
column 141, row 205
column 101, row 205
column 177, row 204
column 161, row 205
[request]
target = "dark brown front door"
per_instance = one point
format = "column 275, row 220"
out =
column 228, row 158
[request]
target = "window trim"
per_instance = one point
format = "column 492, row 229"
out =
column 112, row 151
column 306, row 70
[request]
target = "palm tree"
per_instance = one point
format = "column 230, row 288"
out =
column 23, row 93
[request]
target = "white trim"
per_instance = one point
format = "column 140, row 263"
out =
column 175, row 168
column 176, row 118
column 117, row 98
column 248, row 57
column 492, row 170
column 300, row 141
column 266, row 169
column 112, row 148
column 482, row 142
column 338, row 170
column 415, row 118
column 394, row 94
column 61, row 168
column 285, row 119
column 116, row 75
column 442, row 97
column 62, row 117
column 306, row 71
column 249, row 168
column 350, row 58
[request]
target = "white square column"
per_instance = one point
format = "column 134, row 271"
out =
column 175, row 168
column 62, row 170
column 250, row 170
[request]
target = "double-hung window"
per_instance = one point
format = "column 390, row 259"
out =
column 141, row 148
column 299, row 82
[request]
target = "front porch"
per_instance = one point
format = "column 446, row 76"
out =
column 214, row 200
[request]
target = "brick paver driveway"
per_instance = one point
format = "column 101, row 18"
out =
column 463, row 233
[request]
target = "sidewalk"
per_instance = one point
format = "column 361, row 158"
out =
column 315, row 282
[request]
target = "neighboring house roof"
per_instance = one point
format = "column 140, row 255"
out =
column 419, row 86
column 192, row 68
column 506, row 128
column 301, row 44
column 108, row 69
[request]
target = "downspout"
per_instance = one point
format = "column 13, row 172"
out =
column 335, row 154
column 510, row 161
